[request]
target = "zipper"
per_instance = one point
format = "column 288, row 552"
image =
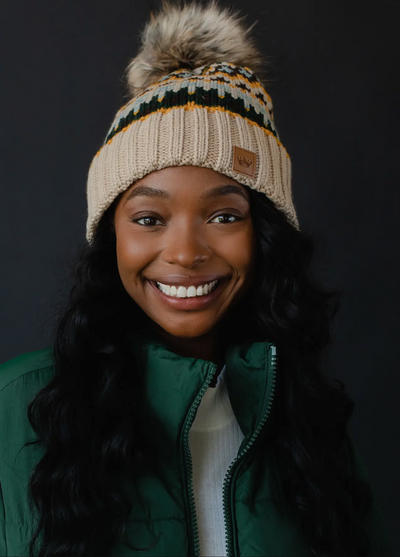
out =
column 228, row 518
column 188, row 463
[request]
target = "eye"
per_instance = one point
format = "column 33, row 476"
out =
column 224, row 215
column 147, row 219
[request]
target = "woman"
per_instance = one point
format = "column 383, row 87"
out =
column 182, row 409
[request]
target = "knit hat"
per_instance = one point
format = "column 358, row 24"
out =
column 196, row 101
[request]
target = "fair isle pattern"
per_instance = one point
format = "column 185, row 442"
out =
column 220, row 86
column 192, row 118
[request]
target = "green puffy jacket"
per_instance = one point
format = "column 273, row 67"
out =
column 258, row 522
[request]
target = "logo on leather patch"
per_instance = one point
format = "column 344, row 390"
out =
column 244, row 161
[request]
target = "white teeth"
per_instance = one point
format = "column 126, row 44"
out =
column 190, row 292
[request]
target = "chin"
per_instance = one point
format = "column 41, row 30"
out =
column 186, row 331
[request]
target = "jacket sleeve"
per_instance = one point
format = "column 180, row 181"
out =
column 374, row 521
column 3, row 546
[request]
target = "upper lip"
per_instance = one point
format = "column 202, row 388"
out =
column 179, row 280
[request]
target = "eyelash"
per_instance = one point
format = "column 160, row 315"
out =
column 221, row 215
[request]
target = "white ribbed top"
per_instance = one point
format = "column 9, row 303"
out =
column 214, row 440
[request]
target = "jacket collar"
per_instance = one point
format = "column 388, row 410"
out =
column 171, row 383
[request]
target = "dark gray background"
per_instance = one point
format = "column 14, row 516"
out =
column 337, row 111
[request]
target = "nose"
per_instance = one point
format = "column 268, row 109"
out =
column 185, row 246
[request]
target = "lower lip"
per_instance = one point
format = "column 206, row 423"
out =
column 188, row 303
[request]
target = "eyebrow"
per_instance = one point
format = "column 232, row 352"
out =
column 148, row 191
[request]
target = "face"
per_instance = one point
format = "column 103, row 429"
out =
column 185, row 247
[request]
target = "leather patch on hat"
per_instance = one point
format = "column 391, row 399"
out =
column 244, row 161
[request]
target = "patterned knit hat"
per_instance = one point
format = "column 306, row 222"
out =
column 196, row 101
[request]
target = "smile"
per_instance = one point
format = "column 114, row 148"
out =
column 189, row 292
column 183, row 299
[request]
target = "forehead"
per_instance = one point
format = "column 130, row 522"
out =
column 199, row 182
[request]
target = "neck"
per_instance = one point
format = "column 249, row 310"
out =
column 210, row 347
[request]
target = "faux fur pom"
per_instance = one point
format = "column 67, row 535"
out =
column 189, row 36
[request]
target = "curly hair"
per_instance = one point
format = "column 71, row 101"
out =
column 85, row 416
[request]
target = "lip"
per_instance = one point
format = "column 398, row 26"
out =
column 180, row 280
column 187, row 303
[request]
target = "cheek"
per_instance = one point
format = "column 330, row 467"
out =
column 132, row 255
column 239, row 250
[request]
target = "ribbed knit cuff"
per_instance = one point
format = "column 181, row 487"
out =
column 187, row 136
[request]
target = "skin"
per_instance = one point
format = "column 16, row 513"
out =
column 183, row 236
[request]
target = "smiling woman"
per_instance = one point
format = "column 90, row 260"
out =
column 182, row 409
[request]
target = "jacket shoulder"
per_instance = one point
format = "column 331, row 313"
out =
column 23, row 364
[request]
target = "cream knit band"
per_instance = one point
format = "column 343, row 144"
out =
column 205, row 117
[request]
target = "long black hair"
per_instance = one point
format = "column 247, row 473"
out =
column 85, row 416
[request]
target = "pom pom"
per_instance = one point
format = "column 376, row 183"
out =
column 187, row 37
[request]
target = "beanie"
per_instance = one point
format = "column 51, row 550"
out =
column 196, row 100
